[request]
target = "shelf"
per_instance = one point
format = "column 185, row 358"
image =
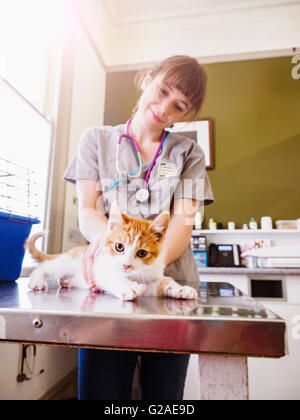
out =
column 249, row 271
column 246, row 232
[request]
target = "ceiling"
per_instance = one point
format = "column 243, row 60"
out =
column 130, row 34
column 125, row 12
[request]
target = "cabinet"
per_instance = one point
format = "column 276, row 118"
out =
column 268, row 378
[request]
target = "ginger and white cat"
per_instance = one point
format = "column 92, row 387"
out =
column 131, row 262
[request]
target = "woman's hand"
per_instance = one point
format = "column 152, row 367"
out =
column 88, row 262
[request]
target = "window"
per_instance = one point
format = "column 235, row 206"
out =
column 31, row 32
column 25, row 154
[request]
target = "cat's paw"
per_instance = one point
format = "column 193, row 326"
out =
column 65, row 282
column 179, row 306
column 181, row 292
column 133, row 292
column 37, row 281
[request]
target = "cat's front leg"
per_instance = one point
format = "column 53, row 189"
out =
column 168, row 287
column 133, row 291
column 123, row 288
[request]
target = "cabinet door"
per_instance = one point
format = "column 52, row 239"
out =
column 274, row 379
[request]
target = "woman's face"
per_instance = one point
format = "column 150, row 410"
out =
column 161, row 105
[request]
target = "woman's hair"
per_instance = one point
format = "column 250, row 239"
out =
column 185, row 74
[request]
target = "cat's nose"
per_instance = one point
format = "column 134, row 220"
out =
column 127, row 267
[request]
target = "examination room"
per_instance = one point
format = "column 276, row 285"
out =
column 149, row 202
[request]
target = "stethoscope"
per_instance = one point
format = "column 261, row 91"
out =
column 142, row 194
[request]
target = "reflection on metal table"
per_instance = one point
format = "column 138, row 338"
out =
column 223, row 321
column 223, row 327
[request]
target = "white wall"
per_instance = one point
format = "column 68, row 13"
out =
column 55, row 362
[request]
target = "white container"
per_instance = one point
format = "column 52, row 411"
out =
column 287, row 224
column 252, row 224
column 212, row 225
column 231, row 225
column 266, row 223
column 198, row 220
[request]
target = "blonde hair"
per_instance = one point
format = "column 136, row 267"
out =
column 185, row 74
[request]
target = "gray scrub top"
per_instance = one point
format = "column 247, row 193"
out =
column 179, row 172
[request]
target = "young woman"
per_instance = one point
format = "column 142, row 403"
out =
column 170, row 178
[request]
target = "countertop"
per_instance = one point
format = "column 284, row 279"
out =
column 247, row 271
column 222, row 321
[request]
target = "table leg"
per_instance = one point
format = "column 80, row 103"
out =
column 223, row 378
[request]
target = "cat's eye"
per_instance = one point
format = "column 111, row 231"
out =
column 119, row 247
column 142, row 253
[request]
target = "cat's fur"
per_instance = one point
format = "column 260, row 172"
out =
column 125, row 273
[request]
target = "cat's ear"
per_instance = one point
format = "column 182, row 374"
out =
column 116, row 217
column 160, row 224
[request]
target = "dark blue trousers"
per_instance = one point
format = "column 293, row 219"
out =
column 108, row 375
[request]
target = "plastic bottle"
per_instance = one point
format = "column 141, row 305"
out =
column 252, row 224
column 231, row 225
column 212, row 224
column 198, row 220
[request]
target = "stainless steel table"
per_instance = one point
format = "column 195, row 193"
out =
column 223, row 322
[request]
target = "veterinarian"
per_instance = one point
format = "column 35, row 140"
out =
column 151, row 172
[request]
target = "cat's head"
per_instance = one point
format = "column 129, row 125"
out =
column 134, row 243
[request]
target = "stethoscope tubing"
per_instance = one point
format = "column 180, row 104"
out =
column 136, row 152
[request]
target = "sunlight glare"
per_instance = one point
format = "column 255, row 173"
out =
column 28, row 31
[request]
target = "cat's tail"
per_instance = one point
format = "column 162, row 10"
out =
column 36, row 254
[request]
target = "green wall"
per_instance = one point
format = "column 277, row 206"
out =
column 255, row 107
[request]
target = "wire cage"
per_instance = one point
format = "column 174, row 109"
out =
column 18, row 189
column 18, row 212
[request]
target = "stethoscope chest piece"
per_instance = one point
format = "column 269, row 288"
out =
column 142, row 195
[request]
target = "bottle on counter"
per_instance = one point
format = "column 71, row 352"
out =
column 212, row 225
column 252, row 224
column 231, row 225
column 266, row 223
column 198, row 220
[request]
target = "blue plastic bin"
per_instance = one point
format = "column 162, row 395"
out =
column 14, row 230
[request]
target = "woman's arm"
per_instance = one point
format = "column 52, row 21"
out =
column 180, row 229
column 92, row 223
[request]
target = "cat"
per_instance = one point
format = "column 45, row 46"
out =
column 130, row 264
